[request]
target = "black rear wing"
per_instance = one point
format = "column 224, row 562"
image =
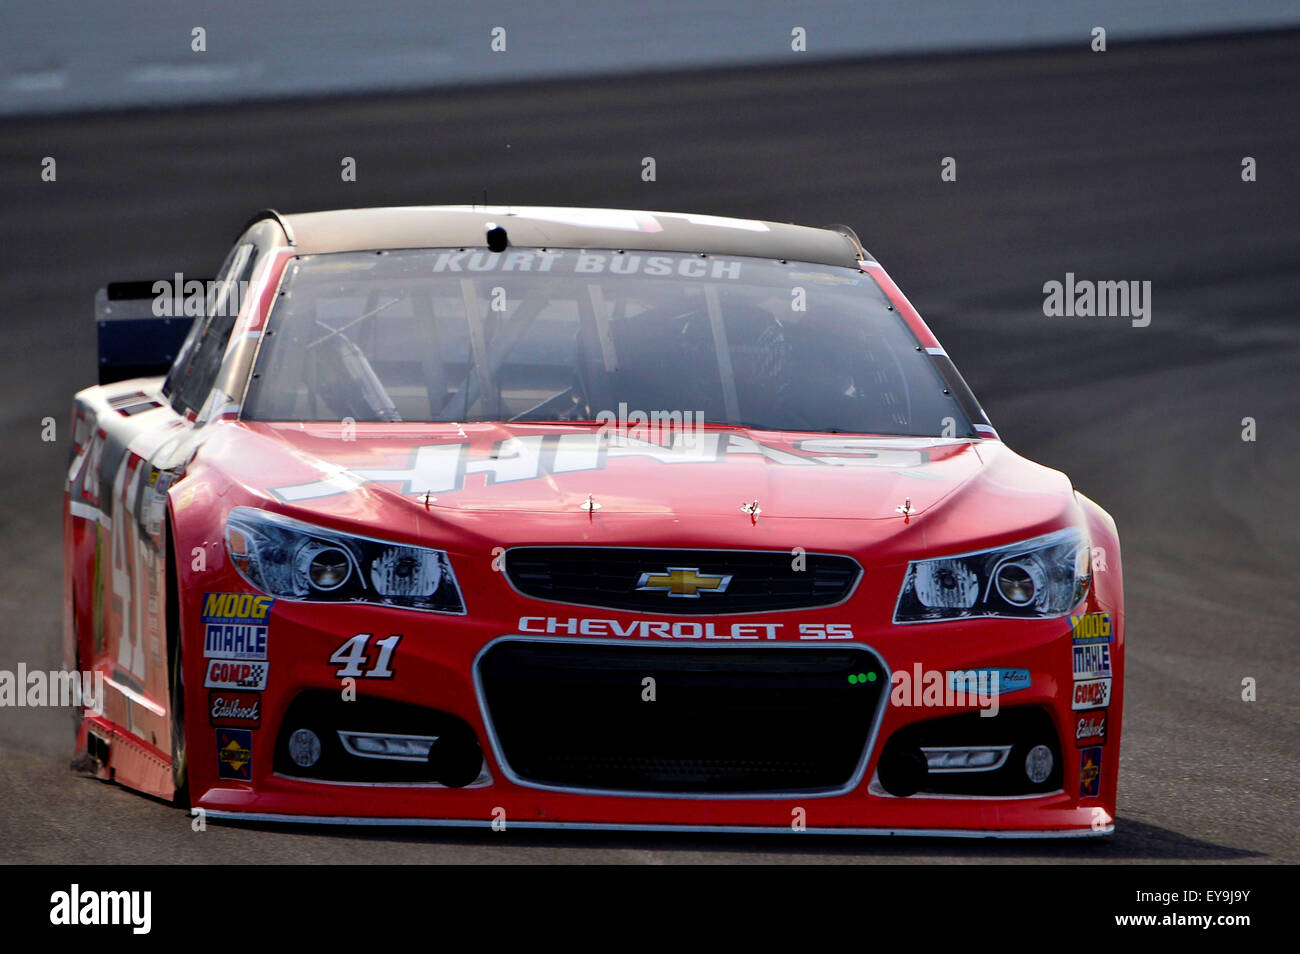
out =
column 140, row 331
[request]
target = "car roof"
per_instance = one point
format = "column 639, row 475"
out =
column 446, row 226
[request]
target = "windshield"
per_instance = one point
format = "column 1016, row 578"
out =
column 447, row 335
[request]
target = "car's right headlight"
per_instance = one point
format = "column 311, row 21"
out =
column 299, row 561
column 1043, row 577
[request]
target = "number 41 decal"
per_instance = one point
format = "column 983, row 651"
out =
column 353, row 655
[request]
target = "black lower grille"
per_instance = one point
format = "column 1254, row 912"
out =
column 325, row 713
column 706, row 581
column 1021, row 728
column 722, row 720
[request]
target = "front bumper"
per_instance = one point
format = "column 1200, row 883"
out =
column 437, row 666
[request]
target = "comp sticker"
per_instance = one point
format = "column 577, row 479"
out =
column 1091, row 694
column 235, row 674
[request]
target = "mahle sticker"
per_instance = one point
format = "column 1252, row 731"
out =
column 1091, row 660
column 235, row 625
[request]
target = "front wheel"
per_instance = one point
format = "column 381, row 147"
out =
column 180, row 779
column 180, row 776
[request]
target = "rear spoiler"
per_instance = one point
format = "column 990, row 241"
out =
column 135, row 341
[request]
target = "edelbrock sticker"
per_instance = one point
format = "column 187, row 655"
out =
column 1090, row 729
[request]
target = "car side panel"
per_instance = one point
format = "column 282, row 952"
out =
column 115, row 543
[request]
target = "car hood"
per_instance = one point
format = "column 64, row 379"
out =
column 553, row 483
column 549, row 469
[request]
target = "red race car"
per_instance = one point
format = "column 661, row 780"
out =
column 576, row 518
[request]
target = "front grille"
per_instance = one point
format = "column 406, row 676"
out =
column 722, row 720
column 610, row 577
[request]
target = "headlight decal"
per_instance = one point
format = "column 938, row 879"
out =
column 1041, row 578
column 294, row 560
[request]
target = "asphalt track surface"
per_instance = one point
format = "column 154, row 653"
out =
column 1123, row 165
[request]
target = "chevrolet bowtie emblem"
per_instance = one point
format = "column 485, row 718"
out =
column 684, row 581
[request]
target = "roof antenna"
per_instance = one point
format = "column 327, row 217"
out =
column 497, row 239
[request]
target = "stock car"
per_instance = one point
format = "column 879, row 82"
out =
column 576, row 518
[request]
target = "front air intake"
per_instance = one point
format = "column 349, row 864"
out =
column 669, row 719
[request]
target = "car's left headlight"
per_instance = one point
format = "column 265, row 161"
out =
column 300, row 561
column 1043, row 577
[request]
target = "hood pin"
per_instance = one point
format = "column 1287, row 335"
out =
column 589, row 505
column 753, row 509
column 428, row 498
column 906, row 508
